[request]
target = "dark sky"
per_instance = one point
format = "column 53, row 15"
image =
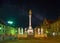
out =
column 17, row 10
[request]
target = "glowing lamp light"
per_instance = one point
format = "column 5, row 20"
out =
column 12, row 32
column 0, row 28
column 10, row 22
column 46, row 31
column 54, row 34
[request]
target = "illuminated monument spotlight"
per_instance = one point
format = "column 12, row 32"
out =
column 30, row 30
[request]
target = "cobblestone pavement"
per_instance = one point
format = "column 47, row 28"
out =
column 34, row 40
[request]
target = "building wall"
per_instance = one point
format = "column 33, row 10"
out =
column 6, row 30
column 55, row 27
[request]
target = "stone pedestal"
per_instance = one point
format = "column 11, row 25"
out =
column 30, row 32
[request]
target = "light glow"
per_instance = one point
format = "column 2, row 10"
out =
column 10, row 22
column 0, row 28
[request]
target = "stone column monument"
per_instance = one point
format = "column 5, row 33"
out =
column 30, row 30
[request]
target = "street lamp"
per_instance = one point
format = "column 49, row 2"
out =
column 10, row 22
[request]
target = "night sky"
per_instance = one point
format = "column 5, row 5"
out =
column 17, row 10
